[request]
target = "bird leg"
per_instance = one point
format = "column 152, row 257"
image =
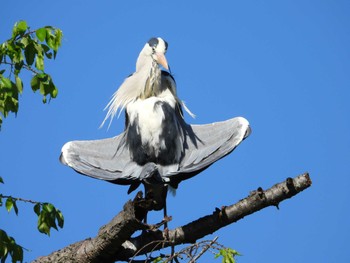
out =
column 166, row 217
column 142, row 206
column 166, row 230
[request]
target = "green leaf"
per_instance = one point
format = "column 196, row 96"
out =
column 11, row 102
column 22, row 26
column 58, row 40
column 9, row 204
column 39, row 62
column 44, row 228
column 37, row 209
column 19, row 28
column 60, row 218
column 53, row 40
column 157, row 260
column 25, row 40
column 35, row 83
column 29, row 53
column 50, row 38
column 19, row 84
column 47, row 51
column 42, row 88
column 17, row 253
column 47, row 217
column 5, row 82
column 41, row 34
column 228, row 255
column 54, row 92
column 48, row 207
column 1, row 180
column 15, row 207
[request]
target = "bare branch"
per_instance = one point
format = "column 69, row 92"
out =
column 205, row 248
column 206, row 225
column 114, row 241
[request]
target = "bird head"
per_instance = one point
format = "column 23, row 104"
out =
column 144, row 81
column 155, row 48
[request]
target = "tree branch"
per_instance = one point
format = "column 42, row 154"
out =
column 27, row 67
column 20, row 199
column 114, row 241
column 102, row 247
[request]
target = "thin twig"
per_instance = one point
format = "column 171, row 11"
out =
column 24, row 65
column 18, row 37
column 156, row 242
column 20, row 199
column 205, row 248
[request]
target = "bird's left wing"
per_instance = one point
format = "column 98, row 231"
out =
column 206, row 144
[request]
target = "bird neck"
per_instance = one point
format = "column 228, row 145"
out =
column 152, row 86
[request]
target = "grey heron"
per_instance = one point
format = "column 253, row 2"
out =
column 157, row 147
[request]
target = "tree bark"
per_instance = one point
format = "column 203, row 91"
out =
column 102, row 248
column 114, row 242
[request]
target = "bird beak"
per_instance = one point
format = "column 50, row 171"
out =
column 162, row 60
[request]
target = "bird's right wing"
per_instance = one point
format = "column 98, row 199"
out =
column 106, row 159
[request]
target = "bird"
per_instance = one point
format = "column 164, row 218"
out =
column 157, row 148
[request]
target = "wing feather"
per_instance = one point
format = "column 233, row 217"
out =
column 109, row 159
column 106, row 159
column 210, row 143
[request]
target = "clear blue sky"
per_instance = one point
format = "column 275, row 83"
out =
column 283, row 65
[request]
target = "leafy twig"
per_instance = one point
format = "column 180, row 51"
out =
column 19, row 199
column 29, row 68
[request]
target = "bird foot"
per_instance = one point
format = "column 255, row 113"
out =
column 158, row 225
column 166, row 234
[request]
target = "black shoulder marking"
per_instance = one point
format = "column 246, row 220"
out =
column 153, row 42
column 170, row 134
column 167, row 74
column 126, row 120
column 166, row 44
column 134, row 142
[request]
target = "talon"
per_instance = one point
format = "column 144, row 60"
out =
column 166, row 234
column 168, row 218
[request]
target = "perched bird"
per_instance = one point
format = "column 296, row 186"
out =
column 157, row 148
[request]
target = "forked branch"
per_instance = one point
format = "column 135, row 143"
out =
column 114, row 242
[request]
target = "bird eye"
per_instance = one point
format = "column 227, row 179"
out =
column 153, row 42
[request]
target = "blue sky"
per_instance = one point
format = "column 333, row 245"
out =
column 283, row 65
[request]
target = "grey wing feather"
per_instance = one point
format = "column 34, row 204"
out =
column 106, row 159
column 208, row 144
column 109, row 159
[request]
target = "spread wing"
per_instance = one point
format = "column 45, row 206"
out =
column 106, row 159
column 206, row 144
column 109, row 159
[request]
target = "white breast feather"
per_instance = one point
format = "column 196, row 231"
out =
column 150, row 118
